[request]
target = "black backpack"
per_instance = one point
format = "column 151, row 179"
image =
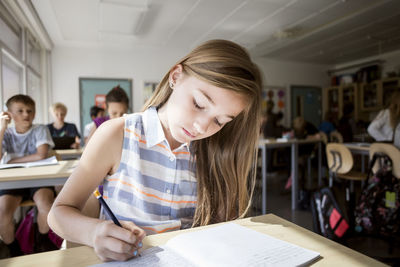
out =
column 328, row 218
column 378, row 209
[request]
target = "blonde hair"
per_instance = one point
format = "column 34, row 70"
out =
column 225, row 161
column 58, row 105
column 394, row 109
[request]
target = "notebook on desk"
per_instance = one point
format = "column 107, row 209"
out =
column 64, row 142
column 228, row 244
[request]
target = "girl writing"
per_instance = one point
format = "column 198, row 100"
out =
column 184, row 161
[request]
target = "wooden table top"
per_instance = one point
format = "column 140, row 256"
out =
column 332, row 253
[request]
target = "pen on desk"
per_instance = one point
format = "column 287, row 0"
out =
column 106, row 207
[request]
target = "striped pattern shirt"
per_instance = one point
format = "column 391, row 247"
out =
column 154, row 187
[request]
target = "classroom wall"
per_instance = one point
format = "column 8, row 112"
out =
column 285, row 73
column 150, row 64
column 69, row 64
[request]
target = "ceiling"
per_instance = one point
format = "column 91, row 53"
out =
column 315, row 31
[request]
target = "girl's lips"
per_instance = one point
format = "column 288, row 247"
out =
column 188, row 133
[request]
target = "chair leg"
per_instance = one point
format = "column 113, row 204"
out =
column 350, row 199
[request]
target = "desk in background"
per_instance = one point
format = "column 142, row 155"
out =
column 50, row 175
column 332, row 253
column 67, row 154
column 359, row 148
column 265, row 144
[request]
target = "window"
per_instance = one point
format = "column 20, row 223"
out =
column 33, row 90
column 10, row 32
column 24, row 62
column 12, row 75
column 33, row 53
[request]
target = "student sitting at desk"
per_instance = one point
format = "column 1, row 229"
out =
column 117, row 104
column 184, row 161
column 60, row 128
column 23, row 143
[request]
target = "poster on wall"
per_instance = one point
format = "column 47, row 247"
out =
column 275, row 97
column 100, row 101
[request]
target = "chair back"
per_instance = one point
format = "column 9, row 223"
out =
column 391, row 151
column 339, row 157
column 336, row 137
column 324, row 137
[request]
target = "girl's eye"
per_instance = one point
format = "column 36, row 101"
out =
column 197, row 105
column 217, row 122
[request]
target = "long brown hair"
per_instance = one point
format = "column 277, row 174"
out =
column 225, row 161
column 394, row 109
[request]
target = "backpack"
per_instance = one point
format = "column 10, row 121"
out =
column 328, row 219
column 378, row 209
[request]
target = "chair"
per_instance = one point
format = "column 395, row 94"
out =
column 391, row 151
column 336, row 137
column 340, row 164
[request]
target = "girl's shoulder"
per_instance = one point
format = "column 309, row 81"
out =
column 134, row 120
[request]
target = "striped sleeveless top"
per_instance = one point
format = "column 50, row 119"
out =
column 153, row 187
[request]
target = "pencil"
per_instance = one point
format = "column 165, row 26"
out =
column 109, row 212
column 106, row 207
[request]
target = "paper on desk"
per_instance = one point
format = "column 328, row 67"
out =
column 225, row 245
column 49, row 161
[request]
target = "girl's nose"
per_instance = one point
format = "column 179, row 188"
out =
column 200, row 127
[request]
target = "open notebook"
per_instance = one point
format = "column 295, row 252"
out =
column 225, row 245
column 43, row 162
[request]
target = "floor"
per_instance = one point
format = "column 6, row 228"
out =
column 279, row 203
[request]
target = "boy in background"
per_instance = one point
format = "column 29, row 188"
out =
column 95, row 112
column 24, row 142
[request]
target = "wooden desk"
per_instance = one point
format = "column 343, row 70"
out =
column 69, row 153
column 37, row 176
column 265, row 144
column 333, row 254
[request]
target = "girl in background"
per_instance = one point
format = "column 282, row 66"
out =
column 386, row 125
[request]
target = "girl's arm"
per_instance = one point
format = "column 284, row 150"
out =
column 101, row 157
column 375, row 127
column 94, row 128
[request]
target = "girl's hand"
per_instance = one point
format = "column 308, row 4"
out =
column 75, row 145
column 112, row 242
column 5, row 119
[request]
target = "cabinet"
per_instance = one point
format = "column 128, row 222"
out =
column 389, row 86
column 367, row 98
column 376, row 95
column 370, row 96
column 336, row 97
